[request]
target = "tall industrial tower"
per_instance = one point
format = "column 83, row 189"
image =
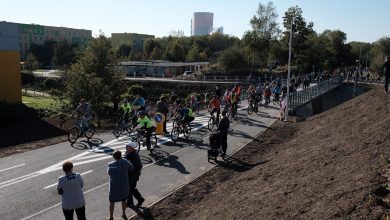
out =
column 202, row 23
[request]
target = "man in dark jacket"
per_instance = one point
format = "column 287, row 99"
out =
column 133, row 157
column 386, row 73
column 223, row 129
column 163, row 108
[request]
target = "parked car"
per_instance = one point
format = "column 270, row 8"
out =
column 187, row 73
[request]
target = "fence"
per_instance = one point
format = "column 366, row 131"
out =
column 299, row 98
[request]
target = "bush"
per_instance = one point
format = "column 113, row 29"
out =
column 27, row 77
column 137, row 89
column 50, row 83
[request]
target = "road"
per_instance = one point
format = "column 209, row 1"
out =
column 28, row 180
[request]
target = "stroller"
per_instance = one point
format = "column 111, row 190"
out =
column 214, row 148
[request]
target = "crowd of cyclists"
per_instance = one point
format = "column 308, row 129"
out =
column 138, row 112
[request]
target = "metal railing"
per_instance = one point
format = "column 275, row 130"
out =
column 299, row 98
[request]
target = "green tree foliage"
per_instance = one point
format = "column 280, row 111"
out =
column 232, row 59
column 44, row 53
column 301, row 33
column 175, row 53
column 193, row 54
column 123, row 51
column 63, row 53
column 380, row 49
column 94, row 77
column 264, row 22
column 31, row 62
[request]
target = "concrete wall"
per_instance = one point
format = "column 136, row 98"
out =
column 329, row 100
column 10, row 77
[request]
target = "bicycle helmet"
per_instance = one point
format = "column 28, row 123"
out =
column 142, row 113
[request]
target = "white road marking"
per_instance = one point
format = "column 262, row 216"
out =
column 55, row 184
column 20, row 165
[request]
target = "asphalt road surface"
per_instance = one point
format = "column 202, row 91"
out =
column 28, row 180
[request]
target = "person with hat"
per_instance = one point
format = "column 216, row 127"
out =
column 133, row 157
column 146, row 124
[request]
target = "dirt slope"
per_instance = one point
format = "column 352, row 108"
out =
column 332, row 166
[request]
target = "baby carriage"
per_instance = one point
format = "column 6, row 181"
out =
column 214, row 148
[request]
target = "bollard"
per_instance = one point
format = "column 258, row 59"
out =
column 159, row 118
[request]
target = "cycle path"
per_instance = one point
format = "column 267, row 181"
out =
column 33, row 184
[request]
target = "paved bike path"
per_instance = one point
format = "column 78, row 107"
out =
column 169, row 168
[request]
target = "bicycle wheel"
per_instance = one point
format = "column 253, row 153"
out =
column 210, row 124
column 250, row 109
column 90, row 132
column 187, row 132
column 153, row 142
column 175, row 134
column 138, row 145
column 118, row 129
column 73, row 135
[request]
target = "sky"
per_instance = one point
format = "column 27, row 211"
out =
column 361, row 20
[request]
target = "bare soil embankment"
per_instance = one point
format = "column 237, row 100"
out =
column 332, row 166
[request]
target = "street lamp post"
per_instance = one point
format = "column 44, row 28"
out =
column 289, row 70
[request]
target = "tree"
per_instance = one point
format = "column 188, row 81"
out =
column 264, row 22
column 232, row 59
column 193, row 54
column 175, row 53
column 123, row 51
column 44, row 53
column 264, row 29
column 380, row 49
column 63, row 53
column 31, row 62
column 149, row 45
column 301, row 33
column 94, row 77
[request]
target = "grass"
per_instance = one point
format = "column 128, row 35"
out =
column 40, row 102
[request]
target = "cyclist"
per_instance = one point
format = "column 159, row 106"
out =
column 259, row 92
column 185, row 115
column 139, row 101
column 226, row 97
column 276, row 92
column 234, row 101
column 145, row 124
column 251, row 89
column 215, row 106
column 85, row 113
column 267, row 94
column 126, row 108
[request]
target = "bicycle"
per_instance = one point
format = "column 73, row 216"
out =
column 78, row 130
column 212, row 122
column 123, row 127
column 178, row 128
column 252, row 107
column 232, row 112
column 140, row 139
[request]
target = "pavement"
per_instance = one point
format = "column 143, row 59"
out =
column 28, row 180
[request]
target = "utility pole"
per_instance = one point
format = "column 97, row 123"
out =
column 289, row 70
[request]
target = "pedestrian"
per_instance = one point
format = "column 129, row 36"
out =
column 223, row 129
column 119, row 182
column 386, row 73
column 163, row 108
column 70, row 187
column 283, row 106
column 133, row 157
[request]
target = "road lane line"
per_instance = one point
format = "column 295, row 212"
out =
column 97, row 187
column 55, row 184
column 20, row 165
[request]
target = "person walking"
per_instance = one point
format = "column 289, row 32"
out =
column 133, row 157
column 163, row 108
column 386, row 73
column 118, row 171
column 223, row 129
column 70, row 187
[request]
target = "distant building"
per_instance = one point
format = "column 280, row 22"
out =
column 10, row 78
column 218, row 30
column 29, row 34
column 202, row 23
column 136, row 41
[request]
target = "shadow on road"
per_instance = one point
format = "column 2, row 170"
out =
column 172, row 162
